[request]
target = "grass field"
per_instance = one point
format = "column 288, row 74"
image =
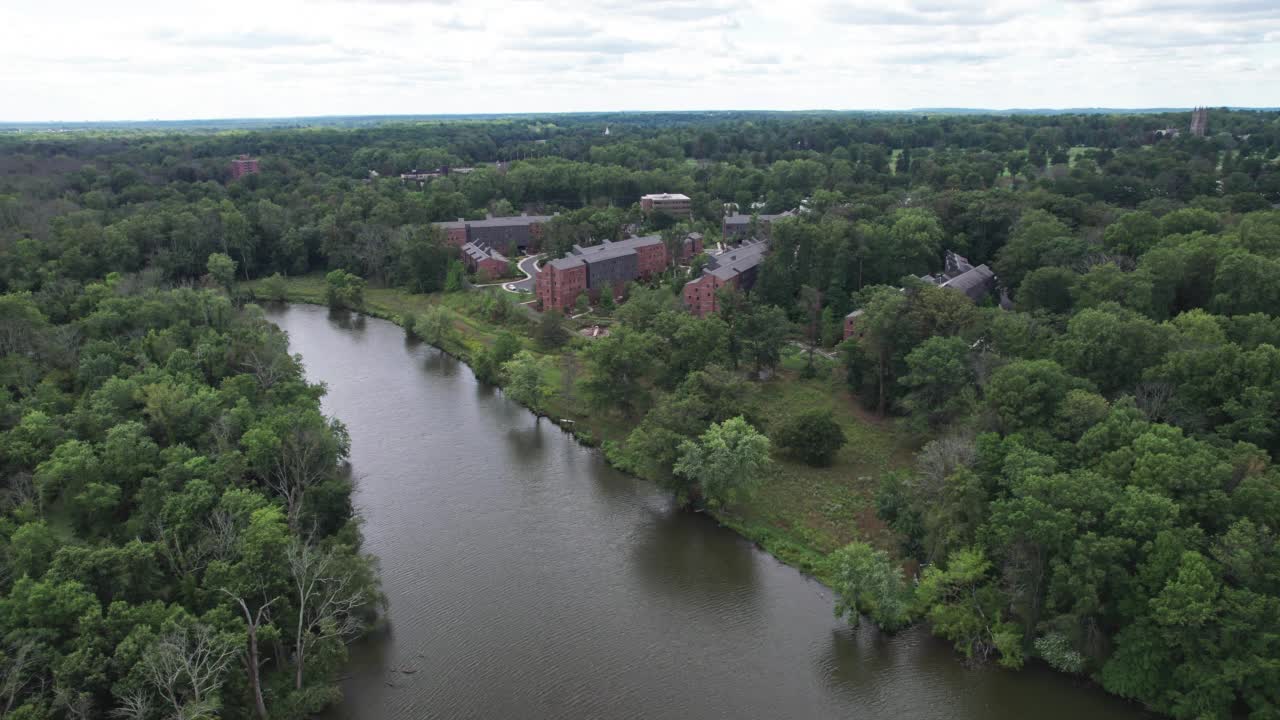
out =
column 800, row 515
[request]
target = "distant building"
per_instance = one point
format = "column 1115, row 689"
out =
column 690, row 246
column 243, row 165
column 734, row 268
column 957, row 274
column 737, row 227
column 851, row 323
column 1200, row 121
column 673, row 204
column 596, row 269
column 498, row 233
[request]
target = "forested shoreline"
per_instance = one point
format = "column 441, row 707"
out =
column 1095, row 483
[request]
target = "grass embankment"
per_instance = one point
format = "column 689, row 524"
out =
column 800, row 515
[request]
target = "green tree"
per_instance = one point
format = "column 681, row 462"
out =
column 939, row 380
column 273, row 288
column 726, row 464
column 344, row 291
column 525, row 384
column 761, row 332
column 551, row 332
column 963, row 607
column 867, row 582
column 1039, row 239
column 1048, row 289
column 616, row 368
column 1027, row 393
column 453, row 281
column 222, row 269
column 812, row 436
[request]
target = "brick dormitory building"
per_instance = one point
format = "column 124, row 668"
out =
column 608, row 266
column 483, row 242
column 734, row 268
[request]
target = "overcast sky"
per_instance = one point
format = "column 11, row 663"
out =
column 175, row 59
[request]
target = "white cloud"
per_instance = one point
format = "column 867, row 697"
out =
column 160, row 59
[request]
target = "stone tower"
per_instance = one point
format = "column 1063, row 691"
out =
column 1199, row 121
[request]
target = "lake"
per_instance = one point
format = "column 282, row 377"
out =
column 528, row 579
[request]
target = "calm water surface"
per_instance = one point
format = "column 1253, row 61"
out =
column 527, row 579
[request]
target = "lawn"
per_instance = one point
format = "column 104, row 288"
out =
column 802, row 512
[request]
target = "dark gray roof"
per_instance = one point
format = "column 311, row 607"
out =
column 611, row 249
column 514, row 220
column 741, row 219
column 732, row 262
column 975, row 283
column 567, row 262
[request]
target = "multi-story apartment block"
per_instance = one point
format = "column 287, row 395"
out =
column 243, row 165
column 518, row 232
column 735, row 268
column 595, row 269
column 673, row 204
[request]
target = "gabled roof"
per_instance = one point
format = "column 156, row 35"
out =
column 975, row 283
column 733, row 262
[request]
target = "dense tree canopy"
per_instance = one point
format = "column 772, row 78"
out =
column 1095, row 484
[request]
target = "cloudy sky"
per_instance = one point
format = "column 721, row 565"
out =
column 175, row 59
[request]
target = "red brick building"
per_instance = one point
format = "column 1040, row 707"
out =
column 851, row 324
column 243, row 165
column 690, row 246
column 734, row 268
column 596, row 269
column 559, row 282
column 516, row 233
column 478, row 257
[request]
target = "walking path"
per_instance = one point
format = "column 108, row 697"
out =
column 528, row 266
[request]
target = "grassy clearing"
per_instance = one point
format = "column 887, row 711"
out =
column 801, row 514
column 1075, row 153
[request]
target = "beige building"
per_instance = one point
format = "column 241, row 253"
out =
column 673, row 204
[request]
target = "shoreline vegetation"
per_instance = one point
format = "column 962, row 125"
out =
column 800, row 515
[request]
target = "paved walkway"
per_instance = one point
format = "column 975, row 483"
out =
column 816, row 351
column 528, row 266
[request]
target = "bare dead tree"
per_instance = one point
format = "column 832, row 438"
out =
column 186, row 667
column 270, row 363
column 17, row 673
column 938, row 460
column 329, row 594
column 253, row 665
column 1153, row 399
column 134, row 706
column 305, row 459
column 76, row 705
column 20, row 489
